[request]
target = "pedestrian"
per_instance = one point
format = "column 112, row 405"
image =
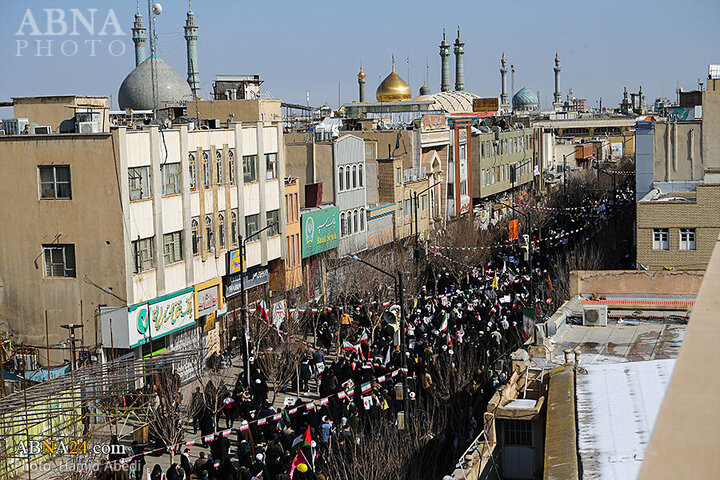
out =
column 185, row 462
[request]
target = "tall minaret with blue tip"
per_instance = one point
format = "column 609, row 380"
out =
column 459, row 64
column 191, row 37
column 503, row 83
column 139, row 37
column 445, row 65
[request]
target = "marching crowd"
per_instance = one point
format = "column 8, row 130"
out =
column 483, row 317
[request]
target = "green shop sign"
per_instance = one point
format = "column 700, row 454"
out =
column 320, row 230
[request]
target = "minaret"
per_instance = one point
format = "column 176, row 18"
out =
column 425, row 90
column 139, row 37
column 445, row 62
column 557, row 95
column 361, row 85
column 191, row 37
column 459, row 67
column 503, row 83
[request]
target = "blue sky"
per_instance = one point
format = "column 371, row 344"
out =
column 314, row 45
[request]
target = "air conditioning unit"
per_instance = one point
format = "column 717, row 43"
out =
column 42, row 130
column 88, row 127
column 595, row 315
column 15, row 126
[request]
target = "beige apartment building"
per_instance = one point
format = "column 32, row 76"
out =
column 678, row 184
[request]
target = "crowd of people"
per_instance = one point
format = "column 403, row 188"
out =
column 450, row 326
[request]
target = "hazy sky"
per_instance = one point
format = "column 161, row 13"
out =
column 310, row 46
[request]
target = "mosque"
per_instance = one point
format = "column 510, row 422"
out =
column 393, row 89
column 136, row 91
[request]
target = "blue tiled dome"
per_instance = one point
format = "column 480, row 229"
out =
column 136, row 90
column 525, row 99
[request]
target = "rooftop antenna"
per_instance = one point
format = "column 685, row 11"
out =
column 407, row 59
column 153, row 12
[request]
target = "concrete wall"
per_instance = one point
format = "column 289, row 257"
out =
column 256, row 110
column 53, row 111
column 702, row 214
column 644, row 160
column 91, row 221
column 310, row 162
column 678, row 151
column 630, row 282
column 684, row 441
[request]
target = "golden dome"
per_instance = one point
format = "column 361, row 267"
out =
column 362, row 73
column 393, row 89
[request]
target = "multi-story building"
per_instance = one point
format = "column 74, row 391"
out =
column 678, row 184
column 131, row 230
column 502, row 160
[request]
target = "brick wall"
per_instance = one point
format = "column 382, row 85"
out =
column 702, row 214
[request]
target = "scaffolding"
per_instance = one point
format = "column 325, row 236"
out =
column 82, row 408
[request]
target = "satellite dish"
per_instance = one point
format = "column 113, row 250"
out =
column 157, row 9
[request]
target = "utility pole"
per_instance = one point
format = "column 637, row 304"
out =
column 71, row 330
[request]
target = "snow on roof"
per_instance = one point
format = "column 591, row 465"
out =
column 617, row 405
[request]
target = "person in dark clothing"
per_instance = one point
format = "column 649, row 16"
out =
column 244, row 453
column 138, row 462
column 185, row 462
column 174, row 473
column 219, row 449
column 258, row 468
column 157, row 473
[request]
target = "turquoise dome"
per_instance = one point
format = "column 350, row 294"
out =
column 136, row 90
column 525, row 99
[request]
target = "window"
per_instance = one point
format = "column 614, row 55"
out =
column 273, row 216
column 59, row 260
column 219, row 167
column 450, row 190
column 55, row 181
column 354, row 176
column 362, row 219
column 195, row 236
column 518, row 432
column 250, row 168
column 343, row 225
column 661, row 238
column 233, row 228
column 353, row 221
column 687, row 239
column 231, row 166
column 347, row 177
column 271, row 166
column 139, row 178
column 144, row 254
column 398, row 176
column 252, row 225
column 423, row 202
column 341, row 179
column 191, row 163
column 209, row 242
column 221, row 231
column 408, row 208
column 361, row 167
column 482, row 149
column 172, row 247
column 207, row 174
column 370, row 151
column 171, row 178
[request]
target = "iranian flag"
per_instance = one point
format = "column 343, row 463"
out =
column 365, row 387
column 349, row 347
column 444, row 324
column 262, row 310
column 364, row 337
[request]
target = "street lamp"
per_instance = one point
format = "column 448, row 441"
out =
column 528, row 220
column 400, row 299
column 71, row 331
column 415, row 208
column 611, row 174
column 565, row 171
column 243, row 311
